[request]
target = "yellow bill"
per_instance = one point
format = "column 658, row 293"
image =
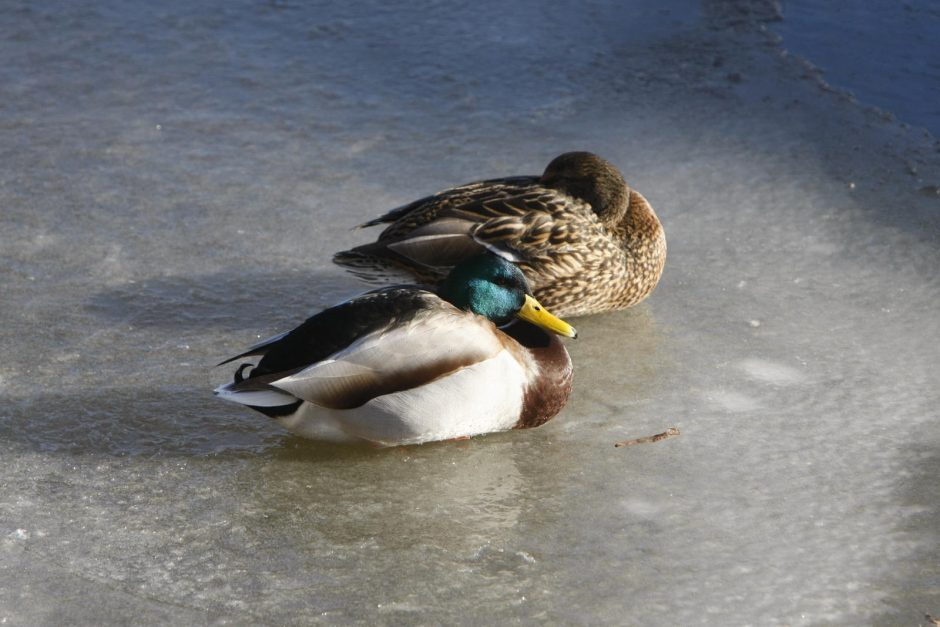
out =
column 533, row 312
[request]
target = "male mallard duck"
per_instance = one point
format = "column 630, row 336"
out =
column 403, row 365
column 586, row 242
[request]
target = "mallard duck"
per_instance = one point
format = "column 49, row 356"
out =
column 586, row 242
column 407, row 364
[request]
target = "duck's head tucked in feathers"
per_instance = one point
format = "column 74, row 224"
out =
column 592, row 179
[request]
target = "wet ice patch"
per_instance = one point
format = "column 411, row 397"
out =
column 113, row 267
column 398, row 606
column 16, row 536
column 730, row 400
column 640, row 508
column 771, row 372
column 497, row 559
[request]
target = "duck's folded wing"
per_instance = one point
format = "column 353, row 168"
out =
column 398, row 358
column 325, row 334
column 536, row 225
column 439, row 244
column 424, row 210
column 332, row 330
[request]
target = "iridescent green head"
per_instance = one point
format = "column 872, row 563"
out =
column 494, row 288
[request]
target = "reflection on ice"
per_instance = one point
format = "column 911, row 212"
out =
column 452, row 497
column 730, row 400
column 114, row 421
column 767, row 371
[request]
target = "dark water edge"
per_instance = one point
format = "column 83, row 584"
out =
column 883, row 51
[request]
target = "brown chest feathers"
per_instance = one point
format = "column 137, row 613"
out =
column 548, row 392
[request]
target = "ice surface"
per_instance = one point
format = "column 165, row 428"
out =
column 175, row 178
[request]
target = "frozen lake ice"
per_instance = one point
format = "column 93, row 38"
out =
column 175, row 179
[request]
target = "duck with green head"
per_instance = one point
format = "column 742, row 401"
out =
column 408, row 364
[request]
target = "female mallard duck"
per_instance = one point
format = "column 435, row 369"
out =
column 586, row 242
column 403, row 365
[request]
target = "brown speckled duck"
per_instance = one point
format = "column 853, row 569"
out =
column 585, row 241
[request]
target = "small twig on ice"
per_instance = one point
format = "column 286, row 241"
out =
column 668, row 433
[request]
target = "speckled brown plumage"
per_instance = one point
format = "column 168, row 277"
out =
column 586, row 242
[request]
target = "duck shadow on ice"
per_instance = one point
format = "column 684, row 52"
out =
column 239, row 299
column 151, row 423
column 909, row 587
column 147, row 414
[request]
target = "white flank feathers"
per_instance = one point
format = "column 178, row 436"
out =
column 482, row 398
